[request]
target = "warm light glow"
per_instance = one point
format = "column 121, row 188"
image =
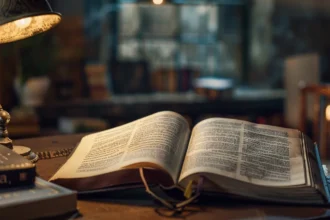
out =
column 157, row 2
column 27, row 27
column 23, row 23
column 327, row 113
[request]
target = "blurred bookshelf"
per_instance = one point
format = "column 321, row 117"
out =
column 208, row 38
column 261, row 106
column 119, row 60
column 141, row 58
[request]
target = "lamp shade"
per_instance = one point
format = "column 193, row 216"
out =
column 20, row 19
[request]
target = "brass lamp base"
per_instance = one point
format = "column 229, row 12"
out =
column 26, row 152
column 6, row 141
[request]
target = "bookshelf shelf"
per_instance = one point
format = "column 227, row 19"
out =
column 130, row 107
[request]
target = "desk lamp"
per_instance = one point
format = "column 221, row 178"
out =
column 20, row 19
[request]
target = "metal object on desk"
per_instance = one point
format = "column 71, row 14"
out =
column 20, row 19
column 4, row 120
column 6, row 141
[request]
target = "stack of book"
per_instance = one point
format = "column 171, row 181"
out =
column 25, row 196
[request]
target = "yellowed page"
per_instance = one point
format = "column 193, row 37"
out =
column 258, row 154
column 160, row 139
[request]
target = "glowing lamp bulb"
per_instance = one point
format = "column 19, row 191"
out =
column 327, row 113
column 157, row 2
column 23, row 23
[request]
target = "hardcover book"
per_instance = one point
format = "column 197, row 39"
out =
column 232, row 157
column 43, row 199
column 15, row 170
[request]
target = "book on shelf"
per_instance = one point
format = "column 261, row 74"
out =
column 219, row 156
column 40, row 200
column 97, row 80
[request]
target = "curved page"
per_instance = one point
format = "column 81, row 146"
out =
column 258, row 154
column 159, row 139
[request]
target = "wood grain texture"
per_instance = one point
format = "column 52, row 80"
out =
column 106, row 208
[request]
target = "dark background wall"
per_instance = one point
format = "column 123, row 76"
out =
column 70, row 8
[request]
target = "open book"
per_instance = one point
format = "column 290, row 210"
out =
column 234, row 157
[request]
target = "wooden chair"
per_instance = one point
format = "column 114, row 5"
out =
column 320, row 126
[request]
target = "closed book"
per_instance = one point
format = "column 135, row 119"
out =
column 15, row 170
column 41, row 200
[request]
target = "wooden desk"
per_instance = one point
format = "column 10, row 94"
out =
column 109, row 210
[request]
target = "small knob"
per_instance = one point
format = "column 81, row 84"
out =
column 4, row 116
column 4, row 121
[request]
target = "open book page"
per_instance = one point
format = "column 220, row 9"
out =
column 259, row 154
column 160, row 139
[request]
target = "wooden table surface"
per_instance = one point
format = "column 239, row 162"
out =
column 107, row 209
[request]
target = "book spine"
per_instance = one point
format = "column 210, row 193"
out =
column 14, row 178
column 325, row 183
